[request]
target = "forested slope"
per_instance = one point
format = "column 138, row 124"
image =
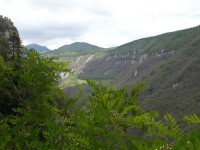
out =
column 167, row 63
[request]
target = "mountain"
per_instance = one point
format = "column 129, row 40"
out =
column 39, row 48
column 81, row 47
column 169, row 64
column 78, row 54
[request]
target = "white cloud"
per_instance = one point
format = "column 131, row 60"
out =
column 102, row 22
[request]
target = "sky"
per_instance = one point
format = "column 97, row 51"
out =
column 105, row 23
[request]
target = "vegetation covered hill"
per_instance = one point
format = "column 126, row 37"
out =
column 38, row 48
column 169, row 65
column 76, row 47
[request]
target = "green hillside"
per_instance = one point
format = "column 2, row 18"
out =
column 76, row 47
column 169, row 65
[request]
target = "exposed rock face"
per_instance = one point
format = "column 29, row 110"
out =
column 175, row 85
column 81, row 62
column 136, row 59
column 89, row 58
column 135, row 74
column 63, row 75
column 163, row 53
column 126, row 65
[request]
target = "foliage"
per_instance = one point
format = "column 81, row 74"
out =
column 194, row 119
column 190, row 141
column 110, row 119
column 34, row 121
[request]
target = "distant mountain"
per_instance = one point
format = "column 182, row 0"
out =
column 39, row 48
column 77, row 47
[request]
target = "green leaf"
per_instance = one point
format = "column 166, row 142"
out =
column 194, row 119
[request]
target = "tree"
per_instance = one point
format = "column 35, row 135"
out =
column 5, row 49
column 15, row 44
column 30, row 116
column 10, row 42
column 24, row 81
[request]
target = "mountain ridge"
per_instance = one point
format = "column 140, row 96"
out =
column 77, row 47
column 37, row 47
column 169, row 64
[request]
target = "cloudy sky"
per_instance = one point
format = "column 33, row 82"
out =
column 105, row 23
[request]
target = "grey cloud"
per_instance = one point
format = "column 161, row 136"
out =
column 97, row 21
column 52, row 27
column 99, row 11
column 50, row 32
column 51, row 4
column 97, row 8
column 90, row 6
column 57, row 5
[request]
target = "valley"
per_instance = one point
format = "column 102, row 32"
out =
column 168, row 64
